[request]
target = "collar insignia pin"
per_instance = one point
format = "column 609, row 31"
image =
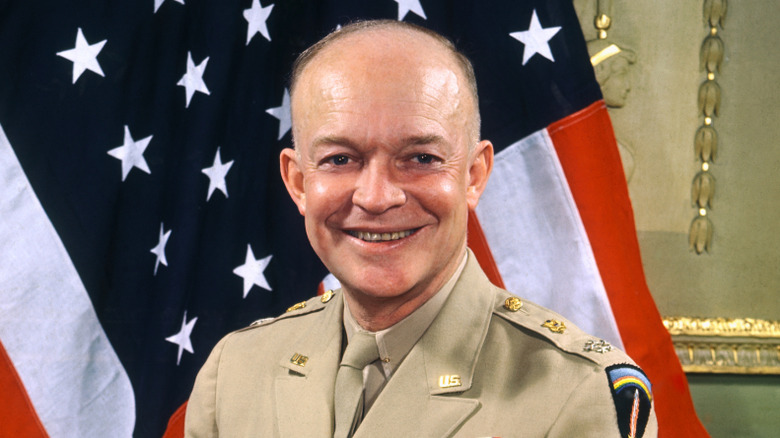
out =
column 299, row 359
column 449, row 381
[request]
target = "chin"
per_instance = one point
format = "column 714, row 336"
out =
column 374, row 289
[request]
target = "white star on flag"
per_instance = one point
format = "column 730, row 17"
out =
column 131, row 153
column 159, row 250
column 158, row 3
column 404, row 6
column 83, row 56
column 192, row 81
column 216, row 174
column 182, row 339
column 256, row 17
column 283, row 114
column 252, row 271
column 536, row 39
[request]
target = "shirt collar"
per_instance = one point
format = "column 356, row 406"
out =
column 396, row 341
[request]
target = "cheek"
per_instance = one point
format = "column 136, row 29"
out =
column 318, row 189
column 448, row 189
column 622, row 80
column 443, row 197
column 325, row 194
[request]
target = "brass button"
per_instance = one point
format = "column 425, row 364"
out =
column 513, row 304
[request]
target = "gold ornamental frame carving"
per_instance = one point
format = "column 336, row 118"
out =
column 726, row 346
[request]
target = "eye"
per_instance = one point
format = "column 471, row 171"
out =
column 339, row 160
column 424, row 158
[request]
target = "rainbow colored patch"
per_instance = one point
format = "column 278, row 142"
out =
column 631, row 392
column 624, row 377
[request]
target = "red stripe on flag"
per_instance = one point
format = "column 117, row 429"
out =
column 17, row 414
column 589, row 156
column 479, row 245
column 320, row 289
column 175, row 427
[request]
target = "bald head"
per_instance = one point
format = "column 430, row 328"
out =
column 377, row 45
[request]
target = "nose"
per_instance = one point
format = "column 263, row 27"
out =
column 376, row 190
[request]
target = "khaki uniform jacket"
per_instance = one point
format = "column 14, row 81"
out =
column 479, row 370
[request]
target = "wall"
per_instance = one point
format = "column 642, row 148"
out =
column 740, row 276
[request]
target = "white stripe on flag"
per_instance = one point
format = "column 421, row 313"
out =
column 537, row 237
column 49, row 328
column 330, row 282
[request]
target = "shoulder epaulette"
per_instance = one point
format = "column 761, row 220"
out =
column 309, row 306
column 558, row 330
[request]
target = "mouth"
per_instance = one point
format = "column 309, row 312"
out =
column 368, row 236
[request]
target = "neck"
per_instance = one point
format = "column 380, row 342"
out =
column 375, row 313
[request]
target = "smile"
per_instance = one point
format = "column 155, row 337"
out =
column 380, row 237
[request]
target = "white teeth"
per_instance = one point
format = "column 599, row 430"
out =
column 380, row 237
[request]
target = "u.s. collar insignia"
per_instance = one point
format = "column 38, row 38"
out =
column 555, row 326
column 326, row 296
column 299, row 359
column 631, row 392
column 449, row 381
column 600, row 346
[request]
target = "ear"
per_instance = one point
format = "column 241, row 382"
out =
column 479, row 172
column 292, row 175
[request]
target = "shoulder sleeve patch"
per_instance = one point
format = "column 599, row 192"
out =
column 631, row 392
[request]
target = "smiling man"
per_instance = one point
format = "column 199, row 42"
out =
column 417, row 342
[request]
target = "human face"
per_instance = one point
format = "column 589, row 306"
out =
column 383, row 172
column 617, row 86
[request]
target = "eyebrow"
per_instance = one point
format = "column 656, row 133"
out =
column 424, row 139
column 328, row 139
column 413, row 140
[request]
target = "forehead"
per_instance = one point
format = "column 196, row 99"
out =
column 381, row 67
column 394, row 45
column 619, row 63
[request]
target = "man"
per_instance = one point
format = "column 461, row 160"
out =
column 387, row 164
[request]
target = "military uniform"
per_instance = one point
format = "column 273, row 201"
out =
column 489, row 365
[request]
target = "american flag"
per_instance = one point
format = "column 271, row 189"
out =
column 143, row 216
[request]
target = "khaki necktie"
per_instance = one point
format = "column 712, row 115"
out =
column 361, row 351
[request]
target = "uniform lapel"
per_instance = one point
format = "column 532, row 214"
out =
column 304, row 393
column 424, row 395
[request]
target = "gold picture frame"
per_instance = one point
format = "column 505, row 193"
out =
column 725, row 345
